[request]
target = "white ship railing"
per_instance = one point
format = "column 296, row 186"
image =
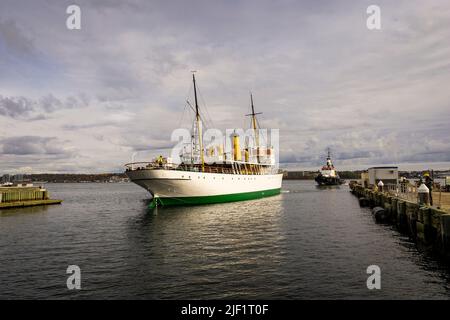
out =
column 237, row 167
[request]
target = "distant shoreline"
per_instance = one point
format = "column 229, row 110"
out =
column 71, row 178
column 121, row 177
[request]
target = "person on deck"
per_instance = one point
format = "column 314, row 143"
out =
column 160, row 160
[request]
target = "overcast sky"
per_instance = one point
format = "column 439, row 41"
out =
column 86, row 100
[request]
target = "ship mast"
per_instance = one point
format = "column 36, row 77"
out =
column 254, row 121
column 199, row 128
column 329, row 163
column 254, row 125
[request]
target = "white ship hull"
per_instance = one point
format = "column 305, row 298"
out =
column 175, row 187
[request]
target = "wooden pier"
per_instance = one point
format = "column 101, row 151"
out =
column 428, row 226
column 17, row 197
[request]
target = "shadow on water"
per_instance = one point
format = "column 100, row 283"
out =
column 324, row 187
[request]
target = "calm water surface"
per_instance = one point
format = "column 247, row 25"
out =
column 307, row 243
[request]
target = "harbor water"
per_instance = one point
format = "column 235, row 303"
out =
column 306, row 243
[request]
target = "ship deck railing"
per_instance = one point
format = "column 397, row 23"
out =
column 234, row 167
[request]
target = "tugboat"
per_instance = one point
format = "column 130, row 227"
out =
column 328, row 175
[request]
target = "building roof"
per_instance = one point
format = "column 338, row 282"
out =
column 387, row 167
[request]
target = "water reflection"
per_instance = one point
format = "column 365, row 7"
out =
column 305, row 243
column 218, row 245
column 23, row 211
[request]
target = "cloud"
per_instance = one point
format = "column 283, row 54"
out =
column 15, row 107
column 316, row 72
column 22, row 107
column 32, row 145
column 49, row 103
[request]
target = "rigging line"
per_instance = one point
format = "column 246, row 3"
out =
column 201, row 113
column 191, row 88
column 259, row 127
column 207, row 118
column 210, row 122
column 180, row 122
column 201, row 117
column 190, row 105
column 192, row 108
column 182, row 117
column 189, row 91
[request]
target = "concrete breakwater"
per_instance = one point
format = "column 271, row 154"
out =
column 428, row 226
column 14, row 197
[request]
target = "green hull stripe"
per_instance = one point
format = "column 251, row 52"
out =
column 185, row 201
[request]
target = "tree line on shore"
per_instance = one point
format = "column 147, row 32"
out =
column 66, row 177
column 121, row 177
